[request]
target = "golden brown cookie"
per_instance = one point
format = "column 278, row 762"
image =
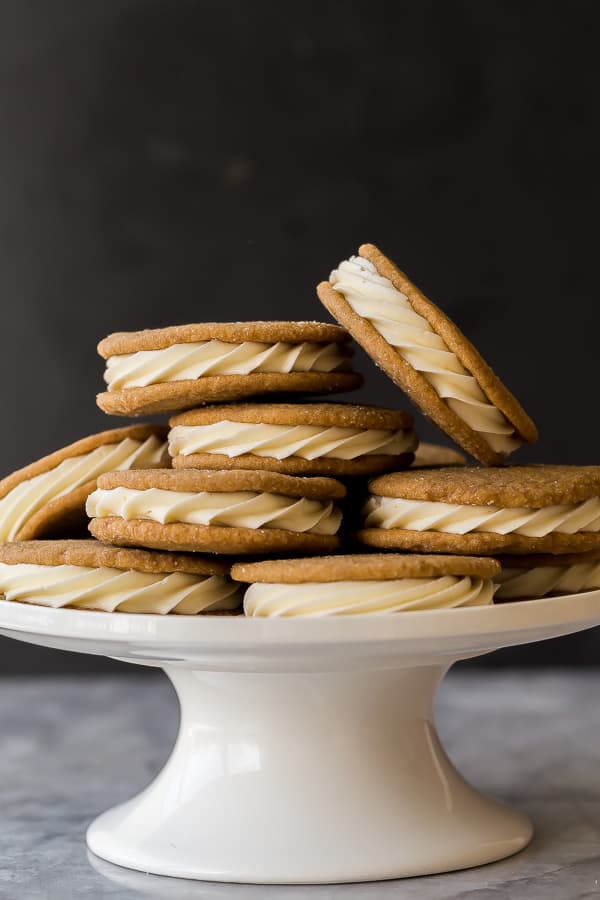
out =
column 235, row 511
column 48, row 496
column 168, row 369
column 89, row 575
column 517, row 509
column 338, row 439
column 428, row 456
column 426, row 355
column 362, row 567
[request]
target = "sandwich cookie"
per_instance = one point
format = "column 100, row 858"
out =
column 218, row 512
column 518, row 509
column 299, row 439
column 48, row 497
column 88, row 575
column 428, row 456
column 531, row 577
column 365, row 583
column 168, row 369
column 426, row 355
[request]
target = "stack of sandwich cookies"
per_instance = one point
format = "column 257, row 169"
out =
column 235, row 512
column 426, row 355
column 513, row 510
column 48, row 497
column 365, row 583
column 530, row 577
column 169, row 369
column 335, row 439
column 89, row 575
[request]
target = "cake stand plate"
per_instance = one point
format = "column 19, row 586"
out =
column 307, row 750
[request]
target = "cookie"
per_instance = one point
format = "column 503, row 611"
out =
column 90, row 575
column 48, row 497
column 169, row 369
column 543, row 575
column 365, row 583
column 517, row 509
column 336, row 439
column 229, row 512
column 426, row 355
column 429, row 456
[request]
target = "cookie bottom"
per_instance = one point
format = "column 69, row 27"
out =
column 480, row 543
column 183, row 537
column 295, row 465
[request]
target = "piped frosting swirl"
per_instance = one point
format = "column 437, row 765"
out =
column 389, row 311
column 113, row 590
column 344, row 598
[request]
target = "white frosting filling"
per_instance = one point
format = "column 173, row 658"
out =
column 282, row 441
column 420, row 515
column 183, row 362
column 239, row 509
column 389, row 311
column 113, row 590
column 542, row 580
column 345, row 598
column 20, row 504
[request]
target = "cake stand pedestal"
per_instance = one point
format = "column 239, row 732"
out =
column 307, row 750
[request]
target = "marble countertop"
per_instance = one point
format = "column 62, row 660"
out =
column 72, row 747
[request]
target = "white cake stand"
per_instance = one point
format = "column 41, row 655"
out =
column 307, row 750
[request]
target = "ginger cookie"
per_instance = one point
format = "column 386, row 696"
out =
column 365, row 583
column 426, row 355
column 227, row 512
column 429, row 456
column 544, row 575
column 47, row 497
column 169, row 369
column 336, row 439
column 90, row 575
column 515, row 510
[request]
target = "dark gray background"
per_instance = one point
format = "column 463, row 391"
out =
column 165, row 162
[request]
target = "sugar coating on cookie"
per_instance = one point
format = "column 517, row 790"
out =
column 520, row 508
column 361, row 584
column 88, row 575
column 238, row 511
column 183, row 366
column 52, row 491
column 426, row 355
column 317, row 438
column 532, row 577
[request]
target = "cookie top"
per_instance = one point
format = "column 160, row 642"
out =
column 317, row 488
column 362, row 567
column 79, row 448
column 430, row 455
column 93, row 554
column 509, row 487
column 330, row 415
column 235, row 332
column 419, row 368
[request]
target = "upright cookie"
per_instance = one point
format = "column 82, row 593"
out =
column 88, row 575
column 168, row 369
column 426, row 355
column 218, row 512
column 365, row 583
column 517, row 509
column 298, row 439
column 428, row 456
column 531, row 577
column 48, row 497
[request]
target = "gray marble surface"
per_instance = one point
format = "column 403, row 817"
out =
column 69, row 748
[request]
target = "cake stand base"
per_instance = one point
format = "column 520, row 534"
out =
column 304, row 777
